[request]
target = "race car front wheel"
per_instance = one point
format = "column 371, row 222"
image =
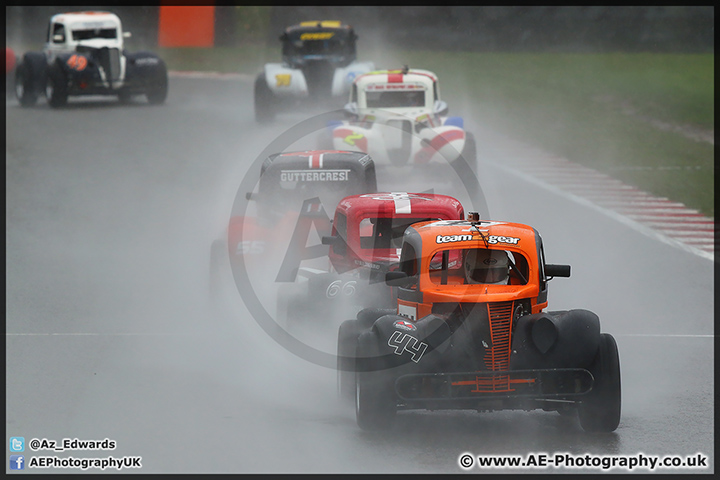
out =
column 375, row 399
column 600, row 411
column 347, row 342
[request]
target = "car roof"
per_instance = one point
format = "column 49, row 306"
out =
column 98, row 19
column 462, row 234
column 399, row 76
column 402, row 203
column 314, row 25
column 316, row 159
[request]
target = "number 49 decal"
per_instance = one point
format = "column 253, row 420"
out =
column 407, row 343
column 77, row 62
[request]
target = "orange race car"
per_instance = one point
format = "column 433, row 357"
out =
column 471, row 332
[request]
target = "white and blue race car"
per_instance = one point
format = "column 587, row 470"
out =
column 397, row 117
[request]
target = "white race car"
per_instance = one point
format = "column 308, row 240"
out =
column 84, row 54
column 397, row 117
column 318, row 63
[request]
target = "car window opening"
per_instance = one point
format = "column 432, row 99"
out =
column 478, row 266
column 415, row 98
column 90, row 33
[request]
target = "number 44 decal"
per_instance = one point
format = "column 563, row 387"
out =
column 402, row 342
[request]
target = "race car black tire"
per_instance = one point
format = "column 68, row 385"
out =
column 347, row 342
column 264, row 100
column 375, row 400
column 29, row 78
column 158, row 90
column 56, row 90
column 600, row 411
column 367, row 316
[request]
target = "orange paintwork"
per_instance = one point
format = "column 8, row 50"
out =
column 456, row 291
column 499, row 299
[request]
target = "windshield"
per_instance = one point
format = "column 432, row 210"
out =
column 415, row 98
column 90, row 33
column 318, row 44
column 286, row 189
column 473, row 266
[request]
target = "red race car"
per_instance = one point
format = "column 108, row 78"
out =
column 367, row 231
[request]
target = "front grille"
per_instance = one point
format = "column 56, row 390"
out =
column 497, row 358
column 109, row 60
column 318, row 78
column 114, row 64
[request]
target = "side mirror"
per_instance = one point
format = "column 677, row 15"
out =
column 441, row 107
column 127, row 34
column 337, row 243
column 399, row 279
column 58, row 38
column 329, row 240
column 557, row 270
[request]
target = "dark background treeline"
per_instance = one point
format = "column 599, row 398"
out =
column 681, row 29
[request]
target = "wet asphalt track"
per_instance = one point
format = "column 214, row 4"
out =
column 111, row 332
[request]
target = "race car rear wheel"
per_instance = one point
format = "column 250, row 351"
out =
column 347, row 342
column 264, row 100
column 56, row 89
column 600, row 411
column 375, row 400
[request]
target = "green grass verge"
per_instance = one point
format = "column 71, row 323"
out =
column 249, row 59
column 604, row 111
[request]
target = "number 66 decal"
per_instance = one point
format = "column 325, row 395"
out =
column 348, row 289
column 407, row 343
